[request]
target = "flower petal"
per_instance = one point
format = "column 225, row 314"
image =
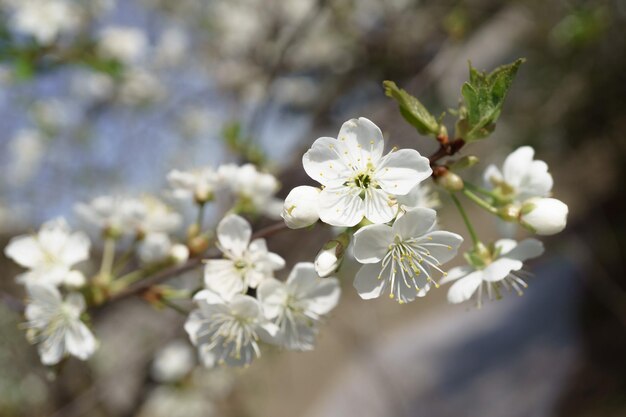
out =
column 341, row 206
column 526, row 249
column 327, row 161
column 377, row 206
column 416, row 222
column 363, row 139
column 234, row 233
column 537, row 182
column 325, row 296
column 367, row 283
column 451, row 242
column 492, row 175
column 371, row 243
column 400, row 171
column 245, row 306
column 517, row 164
column 221, row 276
column 456, row 273
column 272, row 295
column 79, row 341
column 25, row 250
column 500, row 268
column 463, row 289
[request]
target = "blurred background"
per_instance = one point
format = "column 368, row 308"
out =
column 100, row 97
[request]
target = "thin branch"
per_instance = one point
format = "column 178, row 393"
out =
column 190, row 265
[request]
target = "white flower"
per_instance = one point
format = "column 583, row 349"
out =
column 55, row 325
column 108, row 213
column 155, row 247
column 228, row 332
column 45, row 20
column 254, row 189
column 139, row 87
column 358, row 180
column 301, row 207
column 171, row 48
column 401, row 257
column 199, row 185
column 150, row 215
column 125, row 44
column 172, row 362
column 246, row 263
column 296, row 306
column 521, row 177
column 50, row 254
column 544, row 216
column 501, row 268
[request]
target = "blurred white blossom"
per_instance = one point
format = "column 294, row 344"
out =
column 54, row 324
column 45, row 20
column 296, row 306
column 173, row 361
column 50, row 254
column 27, row 149
column 125, row 44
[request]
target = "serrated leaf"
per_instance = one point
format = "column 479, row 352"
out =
column 412, row 110
column 484, row 96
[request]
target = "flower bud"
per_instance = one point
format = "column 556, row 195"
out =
column 329, row 258
column 301, row 207
column 509, row 213
column 465, row 162
column 544, row 216
column 451, row 182
column 179, row 253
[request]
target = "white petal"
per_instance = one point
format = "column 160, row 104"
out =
column 221, row 276
column 371, row 243
column 526, row 249
column 272, row 295
column 416, row 222
column 327, row 161
column 76, row 249
column 537, row 182
column 463, row 289
column 193, row 325
column 325, row 296
column 377, row 206
column 443, row 254
column 341, row 206
column 456, row 273
column 500, row 268
column 234, row 233
column 363, row 139
column 517, row 164
column 400, row 171
column 245, row 306
column 492, row 175
column 52, row 349
column 367, row 283
column 79, row 341
column 505, row 245
column 25, row 250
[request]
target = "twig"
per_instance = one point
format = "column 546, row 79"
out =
column 190, row 265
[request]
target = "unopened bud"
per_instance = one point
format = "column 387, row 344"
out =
column 544, row 216
column 329, row 258
column 179, row 253
column 465, row 162
column 202, row 195
column 509, row 213
column 301, row 207
column 198, row 245
column 451, row 182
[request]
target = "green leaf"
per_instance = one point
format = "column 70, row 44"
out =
column 484, row 96
column 412, row 110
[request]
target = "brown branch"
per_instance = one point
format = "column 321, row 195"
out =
column 191, row 264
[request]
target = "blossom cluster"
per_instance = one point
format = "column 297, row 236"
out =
column 379, row 204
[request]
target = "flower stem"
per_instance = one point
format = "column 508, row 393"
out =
column 479, row 201
column 466, row 220
column 476, row 189
column 200, row 218
column 108, row 256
